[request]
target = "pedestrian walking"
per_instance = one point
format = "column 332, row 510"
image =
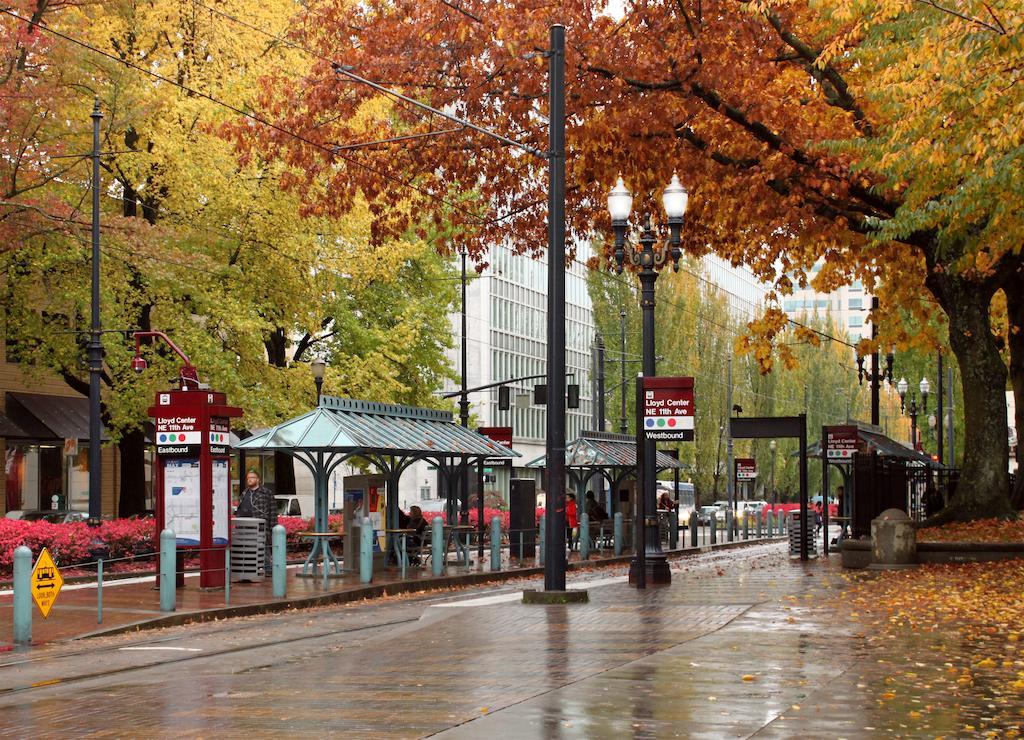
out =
column 572, row 520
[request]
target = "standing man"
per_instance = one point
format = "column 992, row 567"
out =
column 258, row 502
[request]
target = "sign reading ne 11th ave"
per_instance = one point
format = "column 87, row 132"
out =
column 840, row 442
column 668, row 409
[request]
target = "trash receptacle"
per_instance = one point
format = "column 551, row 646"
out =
column 795, row 528
column 248, row 548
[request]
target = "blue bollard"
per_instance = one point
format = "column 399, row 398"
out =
column 22, row 596
column 365, row 552
column 714, row 529
column 99, row 590
column 168, row 578
column 771, row 524
column 584, row 536
column 543, row 536
column 617, row 532
column 437, row 553
column 278, row 539
column 495, row 543
column 694, row 524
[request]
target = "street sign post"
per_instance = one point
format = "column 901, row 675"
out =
column 840, row 442
column 746, row 468
column 46, row 583
column 668, row 409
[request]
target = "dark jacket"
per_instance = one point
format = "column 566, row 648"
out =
column 259, row 503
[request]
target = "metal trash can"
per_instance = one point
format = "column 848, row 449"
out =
column 248, row 548
column 795, row 529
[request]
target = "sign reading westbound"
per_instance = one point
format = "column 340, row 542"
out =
column 668, row 409
column 46, row 583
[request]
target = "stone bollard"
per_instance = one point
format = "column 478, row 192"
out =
column 893, row 541
column 495, row 543
column 694, row 524
column 437, row 553
column 23, row 596
column 584, row 536
column 617, row 533
column 278, row 568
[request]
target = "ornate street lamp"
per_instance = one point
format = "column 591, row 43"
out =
column 925, row 387
column 317, row 366
column 648, row 260
column 902, row 387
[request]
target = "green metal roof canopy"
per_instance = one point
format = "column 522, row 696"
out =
column 605, row 450
column 345, row 425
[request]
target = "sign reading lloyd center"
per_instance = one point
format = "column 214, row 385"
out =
column 668, row 409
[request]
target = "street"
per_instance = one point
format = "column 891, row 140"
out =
column 737, row 646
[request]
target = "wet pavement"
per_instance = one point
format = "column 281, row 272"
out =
column 742, row 643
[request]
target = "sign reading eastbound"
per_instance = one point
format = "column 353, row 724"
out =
column 46, row 583
column 840, row 442
column 668, row 409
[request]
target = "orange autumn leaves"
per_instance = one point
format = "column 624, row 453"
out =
column 981, row 530
column 965, row 673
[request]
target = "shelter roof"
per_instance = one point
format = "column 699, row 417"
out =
column 350, row 426
column 605, row 450
column 870, row 439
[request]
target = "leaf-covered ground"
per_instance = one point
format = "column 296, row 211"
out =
column 981, row 530
column 951, row 636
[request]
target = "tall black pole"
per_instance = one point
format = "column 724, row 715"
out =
column 464, row 403
column 623, row 425
column 95, row 349
column 805, row 525
column 913, row 423
column 876, row 371
column 654, row 561
column 598, row 408
column 554, row 560
column 938, row 414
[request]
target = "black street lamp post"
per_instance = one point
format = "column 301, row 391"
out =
column 772, row 445
column 623, row 425
column 317, row 366
column 95, row 348
column 648, row 260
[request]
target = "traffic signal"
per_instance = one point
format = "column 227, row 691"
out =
column 573, row 393
column 504, row 397
column 540, row 394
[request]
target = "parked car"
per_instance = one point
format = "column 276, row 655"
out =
column 705, row 513
column 288, row 506
column 56, row 516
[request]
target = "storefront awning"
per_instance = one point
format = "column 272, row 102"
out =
column 40, row 417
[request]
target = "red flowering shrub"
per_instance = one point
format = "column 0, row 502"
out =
column 68, row 543
column 125, row 538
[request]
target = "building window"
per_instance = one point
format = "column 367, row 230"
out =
column 855, row 303
column 857, row 287
column 424, row 493
column 855, row 322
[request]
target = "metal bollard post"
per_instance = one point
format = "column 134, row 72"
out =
column 584, row 536
column 495, row 543
column 227, row 575
column 759, row 526
column 714, row 529
column 728, row 525
column 673, row 532
column 22, row 596
column 540, row 547
column 746, row 526
column 437, row 554
column 771, row 524
column 365, row 552
column 617, row 532
column 278, row 539
column 693, row 528
column 521, row 533
column 168, row 553
column 99, row 590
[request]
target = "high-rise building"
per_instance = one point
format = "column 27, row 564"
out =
column 847, row 307
column 506, row 337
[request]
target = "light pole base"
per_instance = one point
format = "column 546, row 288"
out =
column 656, row 570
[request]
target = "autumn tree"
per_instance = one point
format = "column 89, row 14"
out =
column 803, row 131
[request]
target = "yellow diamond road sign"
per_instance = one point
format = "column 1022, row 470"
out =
column 46, row 582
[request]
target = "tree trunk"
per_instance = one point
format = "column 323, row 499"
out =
column 983, row 490
column 1014, row 290
column 132, row 449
